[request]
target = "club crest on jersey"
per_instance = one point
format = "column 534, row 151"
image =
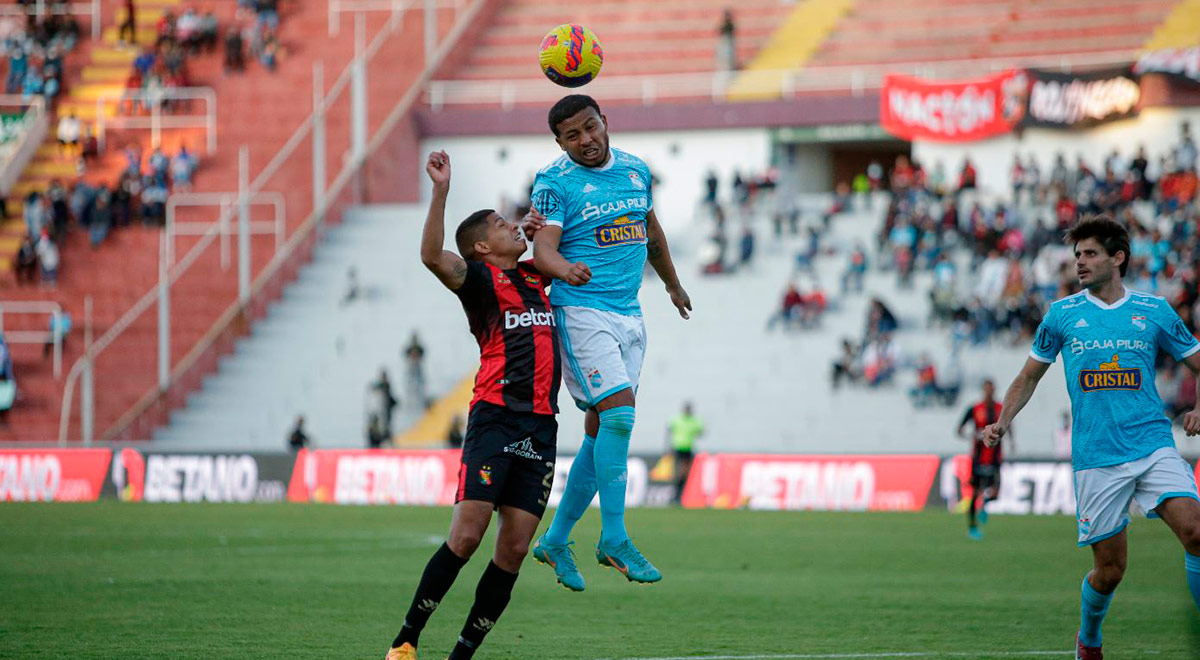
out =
column 485, row 475
column 622, row 231
column 636, row 181
column 1139, row 322
column 532, row 280
column 1110, row 376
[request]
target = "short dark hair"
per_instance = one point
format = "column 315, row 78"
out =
column 471, row 231
column 569, row 106
column 1108, row 232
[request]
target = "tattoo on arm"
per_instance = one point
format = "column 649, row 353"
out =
column 654, row 249
column 460, row 271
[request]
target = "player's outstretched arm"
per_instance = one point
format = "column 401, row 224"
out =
column 660, row 258
column 1191, row 419
column 447, row 266
column 1015, row 398
column 548, row 260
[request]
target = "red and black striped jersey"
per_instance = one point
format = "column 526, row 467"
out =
column 509, row 314
column 983, row 414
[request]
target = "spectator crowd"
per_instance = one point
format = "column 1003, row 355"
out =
column 996, row 263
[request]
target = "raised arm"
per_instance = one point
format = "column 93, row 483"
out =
column 548, row 260
column 1015, row 398
column 447, row 266
column 659, row 256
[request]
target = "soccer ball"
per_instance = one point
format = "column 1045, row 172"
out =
column 571, row 55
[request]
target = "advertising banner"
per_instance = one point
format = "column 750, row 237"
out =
column 52, row 475
column 915, row 109
column 430, row 478
column 1179, row 63
column 1080, row 100
column 168, row 477
column 1026, row 487
column 815, row 483
column 365, row 476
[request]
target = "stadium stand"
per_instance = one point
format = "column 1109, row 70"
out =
column 638, row 37
column 762, row 391
column 319, row 346
column 1178, row 29
column 924, row 31
column 790, row 47
column 116, row 277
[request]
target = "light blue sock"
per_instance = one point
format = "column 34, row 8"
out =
column 1094, row 607
column 612, row 457
column 1192, row 564
column 578, row 494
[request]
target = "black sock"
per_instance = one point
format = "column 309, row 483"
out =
column 439, row 574
column 491, row 597
column 971, row 511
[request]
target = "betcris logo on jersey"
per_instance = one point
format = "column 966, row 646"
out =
column 1110, row 376
column 527, row 319
column 622, row 231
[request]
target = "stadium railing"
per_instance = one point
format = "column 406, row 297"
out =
column 396, row 7
column 252, row 295
column 52, row 310
column 36, row 124
column 715, row 85
column 90, row 9
column 228, row 203
column 158, row 120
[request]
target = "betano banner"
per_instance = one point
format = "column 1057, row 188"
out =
column 915, row 109
column 1179, row 63
column 430, row 477
column 172, row 477
column 404, row 477
column 52, row 475
column 811, row 483
column 1080, row 100
column 1027, row 487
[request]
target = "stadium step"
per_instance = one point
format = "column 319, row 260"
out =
column 1178, row 29
column 790, row 48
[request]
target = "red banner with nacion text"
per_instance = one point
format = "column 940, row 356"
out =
column 52, row 475
column 815, row 483
column 361, row 476
column 915, row 109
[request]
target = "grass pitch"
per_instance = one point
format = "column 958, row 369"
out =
column 131, row 582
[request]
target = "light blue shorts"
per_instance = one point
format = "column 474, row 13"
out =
column 602, row 352
column 1103, row 495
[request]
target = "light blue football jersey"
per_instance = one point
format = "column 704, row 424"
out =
column 602, row 212
column 1108, row 355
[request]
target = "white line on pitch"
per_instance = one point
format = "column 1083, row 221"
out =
column 850, row 656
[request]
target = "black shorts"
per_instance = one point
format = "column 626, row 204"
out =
column 508, row 458
column 985, row 477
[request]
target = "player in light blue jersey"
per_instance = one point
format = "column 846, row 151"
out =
column 594, row 209
column 1123, row 450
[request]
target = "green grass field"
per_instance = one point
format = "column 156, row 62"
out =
column 307, row 581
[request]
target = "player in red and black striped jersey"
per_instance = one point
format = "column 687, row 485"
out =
column 509, row 449
column 985, row 458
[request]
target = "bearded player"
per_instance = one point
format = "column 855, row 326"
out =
column 595, row 204
column 1122, row 450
